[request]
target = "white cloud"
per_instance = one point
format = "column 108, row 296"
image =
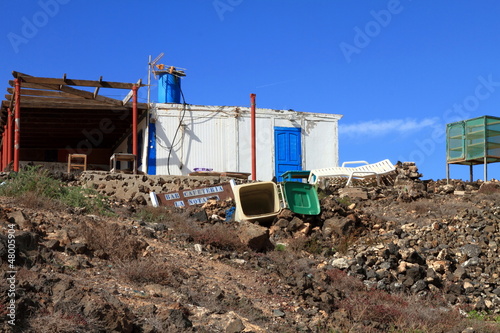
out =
column 385, row 127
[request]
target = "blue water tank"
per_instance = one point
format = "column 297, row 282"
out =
column 169, row 88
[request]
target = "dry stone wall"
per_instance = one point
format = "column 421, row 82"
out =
column 136, row 188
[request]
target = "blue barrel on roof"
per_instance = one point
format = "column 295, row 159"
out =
column 169, row 88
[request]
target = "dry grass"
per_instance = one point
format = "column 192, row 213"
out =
column 164, row 215
column 35, row 187
column 151, row 270
column 344, row 243
column 218, row 236
column 339, row 280
column 307, row 244
column 432, row 208
column 111, row 240
column 58, row 322
column 372, row 310
column 32, row 200
column 489, row 188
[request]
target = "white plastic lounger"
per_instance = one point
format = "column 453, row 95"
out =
column 315, row 174
column 366, row 170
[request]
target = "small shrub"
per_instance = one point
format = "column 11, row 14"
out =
column 297, row 244
column 308, row 244
column 344, row 201
column 88, row 199
column 343, row 244
column 58, row 322
column 218, row 236
column 343, row 282
column 477, row 315
column 34, row 201
column 420, row 207
column 374, row 305
column 313, row 246
column 31, row 179
column 153, row 214
column 483, row 316
column 151, row 270
column 110, row 239
column 280, row 247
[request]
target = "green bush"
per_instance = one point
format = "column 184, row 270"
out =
column 31, row 179
column 280, row 247
column 35, row 182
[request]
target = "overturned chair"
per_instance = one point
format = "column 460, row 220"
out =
column 366, row 170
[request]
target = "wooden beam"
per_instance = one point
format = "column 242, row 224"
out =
column 60, row 113
column 44, row 93
column 74, row 121
column 74, row 133
column 41, row 105
column 36, row 86
column 73, row 82
column 49, row 99
column 72, row 101
column 73, row 91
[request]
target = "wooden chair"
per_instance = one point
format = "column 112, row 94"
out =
column 124, row 157
column 77, row 162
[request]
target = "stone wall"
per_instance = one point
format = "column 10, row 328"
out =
column 136, row 188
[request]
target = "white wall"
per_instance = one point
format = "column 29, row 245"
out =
column 321, row 144
column 219, row 137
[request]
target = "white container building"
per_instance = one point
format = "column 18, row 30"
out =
column 181, row 139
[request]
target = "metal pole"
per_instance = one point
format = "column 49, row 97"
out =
column 485, row 151
column 149, row 80
column 134, row 122
column 254, row 154
column 447, row 173
column 485, row 168
column 17, row 123
column 471, row 173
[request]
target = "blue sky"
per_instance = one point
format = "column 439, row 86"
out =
column 397, row 71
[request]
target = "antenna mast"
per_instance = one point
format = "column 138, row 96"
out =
column 151, row 64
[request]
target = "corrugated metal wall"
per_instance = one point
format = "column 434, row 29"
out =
column 203, row 140
column 219, row 138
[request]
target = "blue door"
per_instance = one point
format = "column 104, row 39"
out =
column 287, row 147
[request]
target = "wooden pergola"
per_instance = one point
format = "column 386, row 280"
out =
column 47, row 118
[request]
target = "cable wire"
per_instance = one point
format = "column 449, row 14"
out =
column 184, row 107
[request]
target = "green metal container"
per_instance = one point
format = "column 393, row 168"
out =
column 472, row 142
column 301, row 198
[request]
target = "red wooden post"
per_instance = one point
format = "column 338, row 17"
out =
column 10, row 136
column 134, row 122
column 17, row 121
column 254, row 145
column 4, row 149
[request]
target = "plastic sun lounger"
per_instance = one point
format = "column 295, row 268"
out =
column 366, row 170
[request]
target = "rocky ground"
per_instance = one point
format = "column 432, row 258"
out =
column 404, row 256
